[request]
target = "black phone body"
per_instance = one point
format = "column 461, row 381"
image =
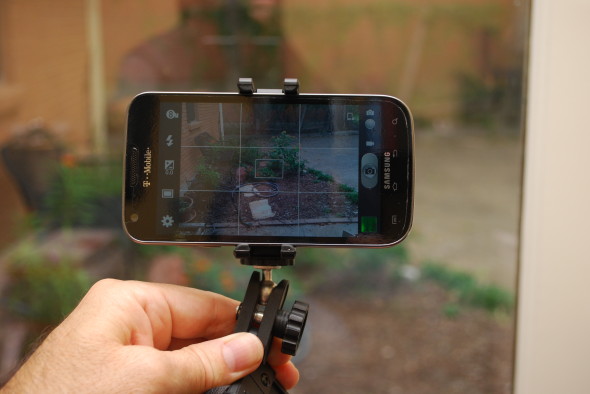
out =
column 224, row 169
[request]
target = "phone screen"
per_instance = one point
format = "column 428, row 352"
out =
column 309, row 169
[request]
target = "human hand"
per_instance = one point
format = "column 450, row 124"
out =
column 146, row 337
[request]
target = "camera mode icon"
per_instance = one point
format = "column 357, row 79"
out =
column 171, row 114
column 369, row 170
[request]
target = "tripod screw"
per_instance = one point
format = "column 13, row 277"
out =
column 294, row 324
column 266, row 380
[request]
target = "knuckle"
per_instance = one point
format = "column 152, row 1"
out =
column 154, row 370
column 207, row 369
column 105, row 285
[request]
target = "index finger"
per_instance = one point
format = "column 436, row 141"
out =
column 197, row 313
column 152, row 313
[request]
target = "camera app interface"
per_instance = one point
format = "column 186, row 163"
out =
column 270, row 169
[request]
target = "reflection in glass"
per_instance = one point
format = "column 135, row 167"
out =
column 432, row 315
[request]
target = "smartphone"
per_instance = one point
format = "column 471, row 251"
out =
column 224, row 169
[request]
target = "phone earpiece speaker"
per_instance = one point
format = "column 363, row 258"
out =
column 133, row 166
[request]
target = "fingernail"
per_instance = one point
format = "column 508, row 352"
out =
column 242, row 352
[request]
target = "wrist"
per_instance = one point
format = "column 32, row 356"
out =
column 41, row 371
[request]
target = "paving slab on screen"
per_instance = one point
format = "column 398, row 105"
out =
column 270, row 169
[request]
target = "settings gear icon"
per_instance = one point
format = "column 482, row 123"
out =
column 167, row 221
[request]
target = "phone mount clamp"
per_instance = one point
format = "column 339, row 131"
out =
column 261, row 312
column 246, row 87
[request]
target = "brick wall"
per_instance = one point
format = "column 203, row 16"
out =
column 207, row 121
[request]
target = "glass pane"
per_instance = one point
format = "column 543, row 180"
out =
column 434, row 314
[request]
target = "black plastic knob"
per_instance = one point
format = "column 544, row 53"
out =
column 292, row 326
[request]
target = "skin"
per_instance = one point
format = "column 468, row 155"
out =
column 148, row 338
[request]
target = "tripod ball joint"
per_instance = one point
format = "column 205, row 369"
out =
column 289, row 326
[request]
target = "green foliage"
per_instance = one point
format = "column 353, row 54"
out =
column 451, row 310
column 477, row 101
column 84, row 195
column 319, row 175
column 285, row 151
column 217, row 149
column 283, row 140
column 490, row 104
column 489, row 297
column 44, row 291
column 422, row 122
column 184, row 203
column 273, row 169
column 352, row 194
column 248, row 156
column 207, row 176
column 365, row 271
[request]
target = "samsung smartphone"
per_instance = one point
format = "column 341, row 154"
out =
column 211, row 169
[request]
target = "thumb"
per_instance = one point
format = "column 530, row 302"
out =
column 218, row 362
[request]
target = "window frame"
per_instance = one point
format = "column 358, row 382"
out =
column 553, row 321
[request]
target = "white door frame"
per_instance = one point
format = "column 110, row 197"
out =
column 553, row 323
